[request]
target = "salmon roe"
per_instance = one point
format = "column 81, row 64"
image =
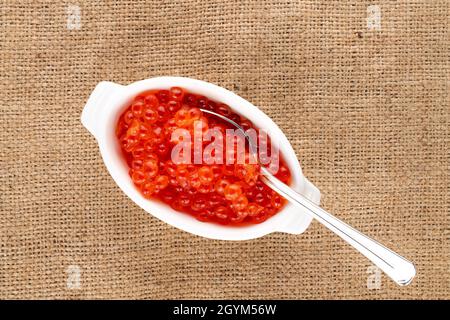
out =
column 231, row 194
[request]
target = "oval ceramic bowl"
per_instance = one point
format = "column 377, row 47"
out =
column 100, row 115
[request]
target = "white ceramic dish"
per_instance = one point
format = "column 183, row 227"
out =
column 100, row 115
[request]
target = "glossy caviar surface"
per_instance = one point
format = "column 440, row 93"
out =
column 230, row 194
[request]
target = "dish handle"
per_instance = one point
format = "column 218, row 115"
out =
column 298, row 223
column 91, row 115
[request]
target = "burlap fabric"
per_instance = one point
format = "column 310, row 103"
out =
column 365, row 106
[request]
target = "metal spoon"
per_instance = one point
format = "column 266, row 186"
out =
column 395, row 266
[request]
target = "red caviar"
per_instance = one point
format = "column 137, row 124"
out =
column 223, row 193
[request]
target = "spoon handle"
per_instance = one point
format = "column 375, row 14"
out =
column 395, row 266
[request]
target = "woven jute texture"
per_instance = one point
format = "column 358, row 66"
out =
column 360, row 88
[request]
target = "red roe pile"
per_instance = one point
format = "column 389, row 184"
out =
column 220, row 193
